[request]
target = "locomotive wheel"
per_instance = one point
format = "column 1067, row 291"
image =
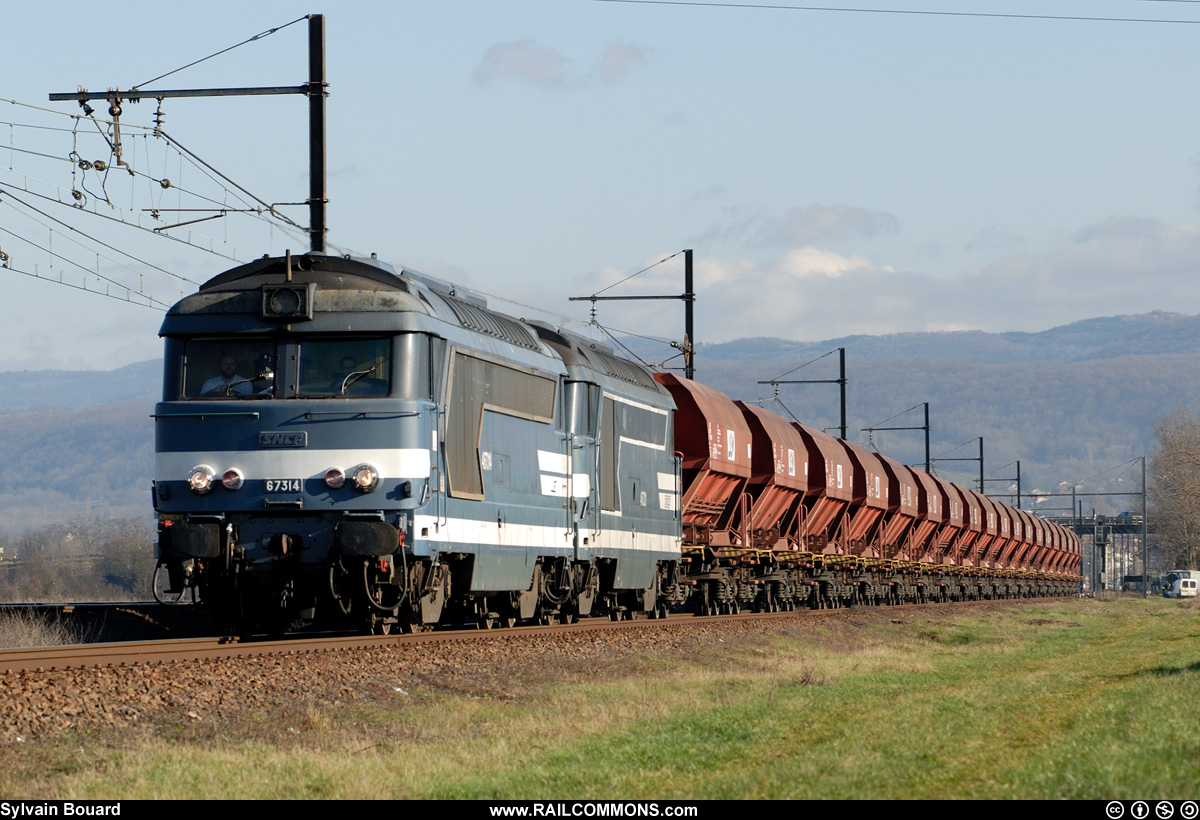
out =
column 487, row 620
column 485, row 616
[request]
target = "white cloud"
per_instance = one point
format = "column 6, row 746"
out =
column 813, row 293
column 806, row 225
column 532, row 63
column 526, row 61
column 618, row 60
column 994, row 239
column 810, row 261
column 1121, row 227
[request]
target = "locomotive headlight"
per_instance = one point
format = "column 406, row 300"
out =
column 334, row 478
column 364, row 477
column 232, row 478
column 200, row 479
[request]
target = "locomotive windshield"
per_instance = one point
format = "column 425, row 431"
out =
column 345, row 367
column 268, row 368
column 223, row 369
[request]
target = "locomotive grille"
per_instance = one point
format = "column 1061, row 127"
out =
column 484, row 321
column 625, row 371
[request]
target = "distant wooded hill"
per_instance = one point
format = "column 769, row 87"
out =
column 1069, row 403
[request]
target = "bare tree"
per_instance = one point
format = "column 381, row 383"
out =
column 86, row 558
column 1174, row 489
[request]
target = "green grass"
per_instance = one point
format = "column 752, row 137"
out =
column 1073, row 699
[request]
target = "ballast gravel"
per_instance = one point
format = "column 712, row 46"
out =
column 502, row 666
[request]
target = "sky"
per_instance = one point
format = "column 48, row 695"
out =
column 835, row 173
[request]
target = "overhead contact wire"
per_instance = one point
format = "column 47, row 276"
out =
column 909, row 12
column 259, row 200
column 90, row 273
column 129, row 294
column 230, row 254
column 9, row 194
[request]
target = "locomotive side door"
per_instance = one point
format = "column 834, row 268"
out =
column 582, row 414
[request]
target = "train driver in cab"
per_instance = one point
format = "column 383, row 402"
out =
column 220, row 383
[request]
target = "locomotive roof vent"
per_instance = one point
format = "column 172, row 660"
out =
column 493, row 324
column 625, row 371
column 292, row 302
column 444, row 288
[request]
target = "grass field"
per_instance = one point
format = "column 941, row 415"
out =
column 1076, row 699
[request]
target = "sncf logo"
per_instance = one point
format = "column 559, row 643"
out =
column 283, row 439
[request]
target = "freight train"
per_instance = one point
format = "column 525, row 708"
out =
column 339, row 441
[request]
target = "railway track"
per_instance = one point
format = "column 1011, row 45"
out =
column 151, row 652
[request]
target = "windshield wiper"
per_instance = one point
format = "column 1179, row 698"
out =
column 266, row 374
column 355, row 376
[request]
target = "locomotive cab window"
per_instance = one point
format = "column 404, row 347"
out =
column 224, row 369
column 345, row 367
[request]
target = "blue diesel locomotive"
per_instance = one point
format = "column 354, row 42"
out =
column 338, row 438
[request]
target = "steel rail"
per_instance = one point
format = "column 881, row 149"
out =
column 143, row 653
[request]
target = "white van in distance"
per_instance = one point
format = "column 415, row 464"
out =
column 1183, row 583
